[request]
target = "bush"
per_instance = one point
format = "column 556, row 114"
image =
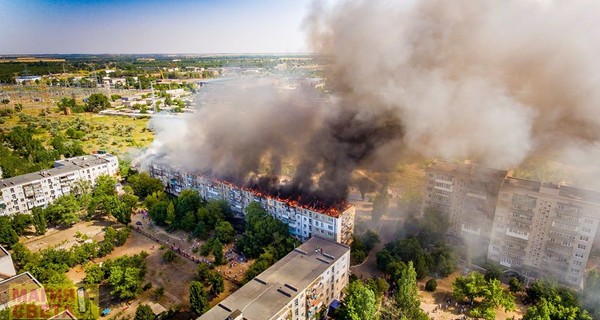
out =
column 168, row 256
column 431, row 285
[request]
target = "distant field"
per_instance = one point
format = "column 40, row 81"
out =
column 116, row 135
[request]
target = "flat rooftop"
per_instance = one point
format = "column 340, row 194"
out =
column 268, row 293
column 60, row 167
column 19, row 282
column 563, row 191
column 463, row 169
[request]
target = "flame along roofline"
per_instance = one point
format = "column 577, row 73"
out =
column 331, row 211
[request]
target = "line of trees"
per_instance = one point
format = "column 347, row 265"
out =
column 50, row 265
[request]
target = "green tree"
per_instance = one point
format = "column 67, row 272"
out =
column 144, row 312
column 515, row 285
column 359, row 302
column 486, row 295
column 551, row 301
column 64, row 211
column 431, row 285
column 93, row 274
column 407, row 296
column 198, row 298
column 217, row 283
column 97, row 102
column 20, row 222
column 218, row 252
column 170, row 217
column 143, row 185
column 224, row 232
column 105, row 186
column 168, row 256
column 38, row 218
column 8, row 236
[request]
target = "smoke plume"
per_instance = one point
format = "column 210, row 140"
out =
column 495, row 81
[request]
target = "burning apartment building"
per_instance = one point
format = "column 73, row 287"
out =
column 334, row 222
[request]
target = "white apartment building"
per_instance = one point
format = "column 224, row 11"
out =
column 22, row 193
column 467, row 195
column 304, row 222
column 544, row 230
column 298, row 286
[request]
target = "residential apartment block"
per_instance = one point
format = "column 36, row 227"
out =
column 540, row 230
column 303, row 221
column 22, row 193
column 467, row 195
column 544, row 230
column 298, row 286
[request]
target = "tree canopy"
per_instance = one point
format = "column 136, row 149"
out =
column 485, row 295
column 97, row 102
column 359, row 302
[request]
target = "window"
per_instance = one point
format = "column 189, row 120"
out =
column 581, row 246
column 584, row 238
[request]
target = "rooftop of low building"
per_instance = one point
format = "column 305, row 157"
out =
column 268, row 293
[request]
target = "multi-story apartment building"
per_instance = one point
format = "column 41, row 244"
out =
column 544, row 230
column 298, row 286
column 467, row 195
column 303, row 221
column 22, row 193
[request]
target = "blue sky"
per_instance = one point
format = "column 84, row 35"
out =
column 152, row 26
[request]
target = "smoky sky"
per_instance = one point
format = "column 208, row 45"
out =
column 495, row 81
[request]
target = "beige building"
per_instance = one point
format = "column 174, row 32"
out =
column 544, row 230
column 38, row 189
column 304, row 222
column 467, row 195
column 299, row 286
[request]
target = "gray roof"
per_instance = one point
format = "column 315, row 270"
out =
column 19, row 282
column 563, row 191
column 268, row 293
column 60, row 167
column 463, row 169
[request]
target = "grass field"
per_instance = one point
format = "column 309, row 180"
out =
column 116, row 135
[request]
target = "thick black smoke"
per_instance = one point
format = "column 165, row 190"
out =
column 495, row 81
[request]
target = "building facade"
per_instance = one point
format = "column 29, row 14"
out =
column 303, row 221
column 7, row 268
column 299, row 286
column 544, row 230
column 22, row 193
column 467, row 195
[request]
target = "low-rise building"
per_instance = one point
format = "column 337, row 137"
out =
column 303, row 221
column 544, row 230
column 19, row 289
column 298, row 286
column 22, row 193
